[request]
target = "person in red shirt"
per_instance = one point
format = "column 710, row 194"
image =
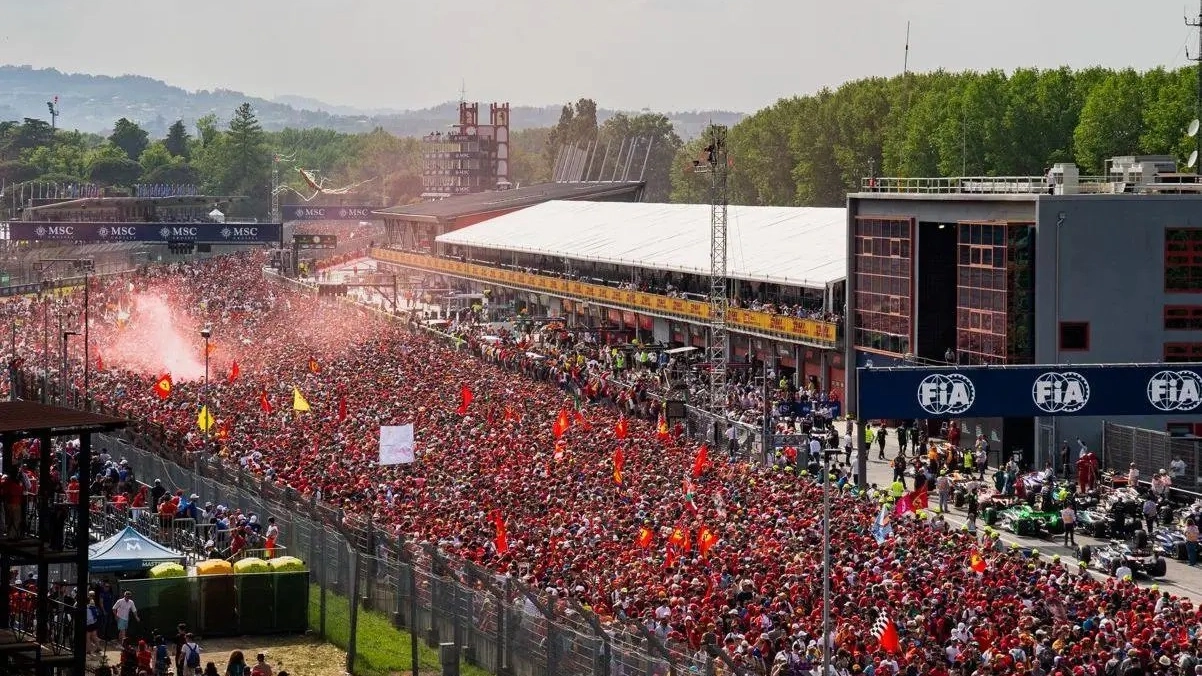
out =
column 13, row 490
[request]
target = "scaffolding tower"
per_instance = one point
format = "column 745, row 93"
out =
column 714, row 161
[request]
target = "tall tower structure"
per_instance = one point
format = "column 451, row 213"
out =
column 715, row 162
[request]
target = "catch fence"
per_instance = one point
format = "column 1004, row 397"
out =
column 1152, row 451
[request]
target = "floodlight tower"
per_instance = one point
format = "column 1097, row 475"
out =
column 52, row 105
column 714, row 161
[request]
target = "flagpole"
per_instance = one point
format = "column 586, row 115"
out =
column 206, row 333
column 826, row 563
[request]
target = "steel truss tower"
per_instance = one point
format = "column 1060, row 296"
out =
column 714, row 161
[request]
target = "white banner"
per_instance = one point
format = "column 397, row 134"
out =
column 396, row 445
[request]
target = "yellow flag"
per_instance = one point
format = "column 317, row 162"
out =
column 205, row 420
column 298, row 401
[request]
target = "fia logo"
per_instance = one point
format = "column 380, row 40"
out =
column 1066, row 392
column 1175, row 390
column 950, row 394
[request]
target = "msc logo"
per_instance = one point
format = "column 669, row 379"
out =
column 1175, row 390
column 117, row 231
column 310, row 213
column 951, row 394
column 1066, row 392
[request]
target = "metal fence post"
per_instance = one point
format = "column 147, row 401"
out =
column 321, row 627
column 351, row 643
column 413, row 648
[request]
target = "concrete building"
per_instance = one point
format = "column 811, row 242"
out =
column 1059, row 269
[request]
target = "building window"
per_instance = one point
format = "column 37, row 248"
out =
column 1074, row 336
column 883, row 252
column 981, row 293
column 1183, row 260
column 1183, row 317
column 1183, row 352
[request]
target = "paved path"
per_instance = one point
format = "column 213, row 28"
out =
column 1181, row 579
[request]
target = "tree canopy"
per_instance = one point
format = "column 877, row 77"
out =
column 811, row 150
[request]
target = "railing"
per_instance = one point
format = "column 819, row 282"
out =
column 983, row 185
column 806, row 331
column 1152, row 451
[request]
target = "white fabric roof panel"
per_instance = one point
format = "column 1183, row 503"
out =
column 798, row 246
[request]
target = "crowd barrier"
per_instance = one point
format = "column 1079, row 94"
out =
column 1152, row 451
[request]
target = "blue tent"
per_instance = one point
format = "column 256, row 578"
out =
column 129, row 550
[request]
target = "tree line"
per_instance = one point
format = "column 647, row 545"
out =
column 811, row 150
column 801, row 151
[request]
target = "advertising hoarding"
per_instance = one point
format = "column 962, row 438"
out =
column 1030, row 391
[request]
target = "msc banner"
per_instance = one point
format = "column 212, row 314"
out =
column 204, row 233
column 1030, row 391
column 300, row 212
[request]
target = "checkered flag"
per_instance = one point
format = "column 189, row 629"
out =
column 885, row 632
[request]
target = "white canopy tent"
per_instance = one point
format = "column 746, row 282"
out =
column 796, row 246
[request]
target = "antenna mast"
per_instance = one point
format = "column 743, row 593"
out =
column 715, row 162
column 275, row 188
column 906, row 60
column 1197, row 59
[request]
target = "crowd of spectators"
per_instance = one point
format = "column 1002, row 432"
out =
column 726, row 554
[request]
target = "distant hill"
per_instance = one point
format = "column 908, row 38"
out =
column 93, row 102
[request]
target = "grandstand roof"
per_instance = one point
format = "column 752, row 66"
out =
column 498, row 200
column 799, row 246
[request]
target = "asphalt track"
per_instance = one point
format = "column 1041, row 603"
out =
column 1181, row 578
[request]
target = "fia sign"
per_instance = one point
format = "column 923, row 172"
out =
column 1063, row 392
column 943, row 395
column 1175, row 390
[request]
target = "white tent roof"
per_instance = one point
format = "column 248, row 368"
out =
column 798, row 246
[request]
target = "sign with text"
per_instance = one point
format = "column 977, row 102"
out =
column 779, row 325
column 1030, row 391
column 315, row 241
column 396, row 445
column 154, row 233
column 300, row 212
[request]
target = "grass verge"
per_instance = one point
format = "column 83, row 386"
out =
column 383, row 650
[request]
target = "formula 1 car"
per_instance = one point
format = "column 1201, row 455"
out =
column 1094, row 523
column 1022, row 520
column 1139, row 554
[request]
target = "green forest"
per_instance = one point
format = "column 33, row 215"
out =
column 803, row 151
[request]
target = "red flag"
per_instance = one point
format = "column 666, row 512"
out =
column 99, row 363
column 502, row 540
column 163, row 386
column 976, row 563
column 235, row 371
column 342, row 408
column 705, row 540
column 904, row 505
column 619, row 463
column 661, row 430
column 646, row 535
column 223, row 431
column 700, row 461
column 580, row 420
column 622, row 428
column 919, row 499
column 465, row 399
column 314, row 367
column 264, row 404
column 562, row 422
column 210, row 348
column 511, row 414
column 886, row 634
column 679, row 538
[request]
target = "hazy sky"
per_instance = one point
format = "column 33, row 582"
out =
column 630, row 54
